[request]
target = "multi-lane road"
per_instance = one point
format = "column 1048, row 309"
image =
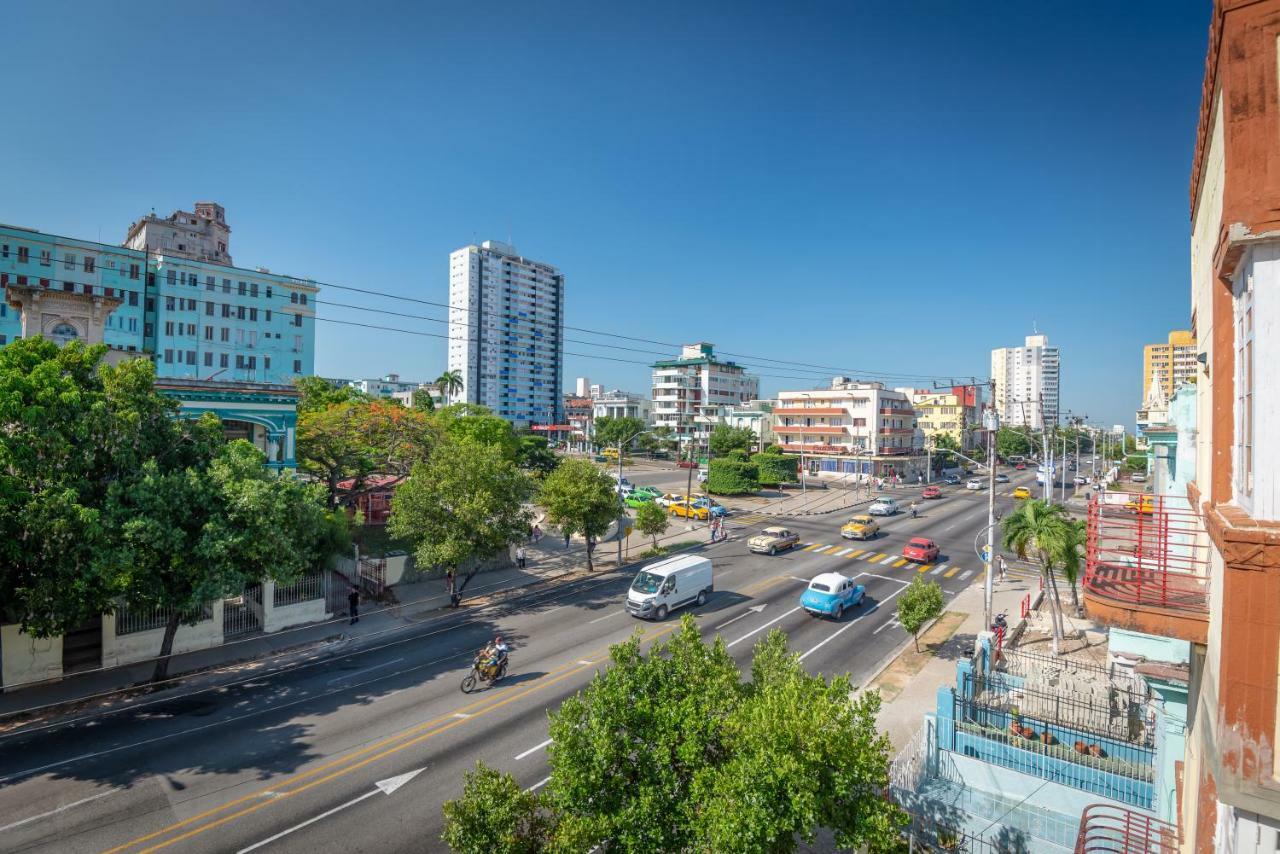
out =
column 357, row 748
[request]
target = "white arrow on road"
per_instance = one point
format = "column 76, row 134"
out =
column 386, row 786
column 754, row 609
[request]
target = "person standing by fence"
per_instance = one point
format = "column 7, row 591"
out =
column 520, row 556
column 353, row 603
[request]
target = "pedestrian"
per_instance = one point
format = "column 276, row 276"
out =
column 1000, row 563
column 353, row 604
column 448, row 581
column 566, row 539
column 920, row 479
column 537, row 534
column 520, row 556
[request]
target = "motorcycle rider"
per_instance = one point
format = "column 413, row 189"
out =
column 915, row 509
column 494, row 654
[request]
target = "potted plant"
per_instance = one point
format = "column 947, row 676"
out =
column 1047, row 738
column 1097, row 751
column 1081, row 747
column 1015, row 721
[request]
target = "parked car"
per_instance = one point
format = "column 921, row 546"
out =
column 921, row 550
column 860, row 528
column 702, row 475
column 668, row 499
column 715, row 507
column 883, row 507
column 690, row 510
column 830, row 595
column 669, row 584
column 1081, row 479
column 1021, row 492
column 642, row 496
column 976, row 483
column 931, row 492
column 773, row 540
column 1138, row 477
column 1020, row 467
column 687, row 464
column 1002, row 478
column 1145, row 504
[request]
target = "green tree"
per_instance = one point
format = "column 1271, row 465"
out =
column 917, row 605
column 945, row 442
column 728, row 476
column 495, row 816
column 464, row 503
column 318, row 393
column 192, row 536
column 534, row 456
column 471, row 421
column 71, row 428
column 580, row 499
column 651, row 520
column 672, row 751
column 1011, row 442
column 775, row 467
column 356, row 439
column 450, row 383
column 724, row 439
column 1044, row 531
column 609, row 431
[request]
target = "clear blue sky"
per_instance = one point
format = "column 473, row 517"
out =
column 879, row 187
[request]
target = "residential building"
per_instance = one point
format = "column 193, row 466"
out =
column 388, row 385
column 620, row 404
column 582, row 387
column 756, row 416
column 579, row 423
column 1026, row 383
column 691, row 392
column 1207, row 576
column 939, row 413
column 853, row 429
column 506, row 324
column 412, row 397
column 200, row 236
column 196, row 319
column 1170, row 364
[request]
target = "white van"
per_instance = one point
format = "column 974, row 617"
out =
column 664, row 586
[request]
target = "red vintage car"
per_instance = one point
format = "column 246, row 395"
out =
column 931, row 492
column 1021, row 466
column 921, row 550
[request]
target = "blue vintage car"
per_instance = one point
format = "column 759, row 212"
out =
column 831, row 594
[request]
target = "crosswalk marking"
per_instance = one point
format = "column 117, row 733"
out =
column 899, row 562
column 813, row 546
column 950, row 572
column 830, row 550
column 937, row 569
column 843, row 552
column 856, row 553
column 876, row 558
column 923, row 567
column 966, row 574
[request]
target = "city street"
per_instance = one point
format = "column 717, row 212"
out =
column 358, row 749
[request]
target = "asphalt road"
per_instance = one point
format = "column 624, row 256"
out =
column 357, row 748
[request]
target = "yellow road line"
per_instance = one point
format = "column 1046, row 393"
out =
column 950, row 572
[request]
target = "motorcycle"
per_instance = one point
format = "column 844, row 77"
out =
column 482, row 671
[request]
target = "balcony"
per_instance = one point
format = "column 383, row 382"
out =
column 802, row 411
column 814, row 449
column 1106, row 828
column 1147, row 565
column 813, row 430
column 899, row 413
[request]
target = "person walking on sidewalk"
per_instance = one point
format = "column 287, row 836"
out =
column 1000, row 564
column 566, row 539
column 353, row 604
column 520, row 556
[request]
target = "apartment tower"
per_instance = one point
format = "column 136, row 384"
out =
column 1026, row 381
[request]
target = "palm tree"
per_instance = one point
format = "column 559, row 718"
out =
column 1073, row 551
column 450, row 383
column 1043, row 530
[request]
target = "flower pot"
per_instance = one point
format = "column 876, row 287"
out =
column 1081, row 747
column 1096, row 751
column 1047, row 737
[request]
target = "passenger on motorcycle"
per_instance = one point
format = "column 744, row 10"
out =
column 493, row 655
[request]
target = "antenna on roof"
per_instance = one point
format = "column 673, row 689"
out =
column 1034, row 331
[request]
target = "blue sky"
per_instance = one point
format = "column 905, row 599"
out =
column 884, row 188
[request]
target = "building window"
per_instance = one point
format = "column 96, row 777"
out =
column 171, row 277
column 253, row 314
column 148, row 330
column 293, row 297
column 302, row 298
column 240, row 312
column 242, row 288
column 168, row 357
column 266, row 363
column 44, row 258
column 1244, row 389
column 191, row 357
column 168, row 327
column 253, row 289
column 209, row 283
column 24, row 254
column 4, row 251
column 226, row 310
column 297, row 320
column 133, row 271
column 208, row 309
column 222, row 360
column 226, row 334
column 208, row 359
column 268, row 315
column 69, row 261
column 297, row 366
column 169, row 304
column 268, row 286
column 88, row 263
column 226, row 289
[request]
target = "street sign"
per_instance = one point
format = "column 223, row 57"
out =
column 985, row 554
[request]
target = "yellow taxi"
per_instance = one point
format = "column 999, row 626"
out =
column 1144, row 504
column 1021, row 492
column 860, row 528
column 690, row 510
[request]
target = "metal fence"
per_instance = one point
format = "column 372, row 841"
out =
column 242, row 615
column 129, row 621
column 1118, row 710
column 925, row 835
column 1106, row 828
column 1052, row 670
column 305, row 589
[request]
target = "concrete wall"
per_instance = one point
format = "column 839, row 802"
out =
column 139, row 646
column 285, row 616
column 26, row 659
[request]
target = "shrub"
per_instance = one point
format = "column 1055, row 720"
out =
column 732, row 477
column 775, row 468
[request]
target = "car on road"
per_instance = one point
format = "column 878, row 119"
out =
column 931, row 492
column 1144, row 504
column 1137, row 477
column 883, row 507
column 773, row 540
column 976, row 483
column 687, row 464
column 830, row 595
column 641, row 496
column 702, row 475
column 861, row 527
column 1020, row 467
column 1021, row 492
column 710, row 504
column 1002, row 478
column 1081, row 479
column 921, row 550
column 690, row 510
column 953, row 479
column 669, row 584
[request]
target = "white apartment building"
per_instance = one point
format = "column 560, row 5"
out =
column 691, row 392
column 388, row 385
column 1026, row 380
column 506, row 324
column 620, row 404
column 411, row 397
column 853, row 429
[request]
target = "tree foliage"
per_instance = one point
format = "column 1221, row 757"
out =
column 465, row 503
column 651, row 520
column 494, row 816
column 674, row 752
column 580, row 499
column 728, row 476
column 1044, row 532
column 609, row 431
column 318, row 393
column 477, row 423
column 945, row 442
column 918, row 604
column 535, row 456
column 450, row 383
column 775, row 467
column 724, row 439
column 1011, row 442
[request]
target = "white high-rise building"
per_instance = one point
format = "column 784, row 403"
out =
column 506, row 324
column 691, row 393
column 1026, row 380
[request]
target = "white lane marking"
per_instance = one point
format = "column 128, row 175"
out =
column 754, row 609
column 62, row 808
column 843, row 552
column 533, row 749
column 387, row 786
column 761, row 628
column 849, row 625
column 605, row 617
column 885, row 625
column 798, row 578
column 538, row 785
column 365, row 670
column 462, row 715
column 966, row 574
column 583, row 661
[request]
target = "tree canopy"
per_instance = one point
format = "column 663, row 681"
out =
column 319, row 393
column 672, row 751
column 610, row 431
column 651, row 520
column 534, row 455
column 917, row 605
column 725, row 439
column 479, row 424
column 1043, row 532
column 580, row 499
column 1011, row 442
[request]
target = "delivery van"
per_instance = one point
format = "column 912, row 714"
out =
column 662, row 587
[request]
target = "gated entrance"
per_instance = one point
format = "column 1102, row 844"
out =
column 242, row 615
